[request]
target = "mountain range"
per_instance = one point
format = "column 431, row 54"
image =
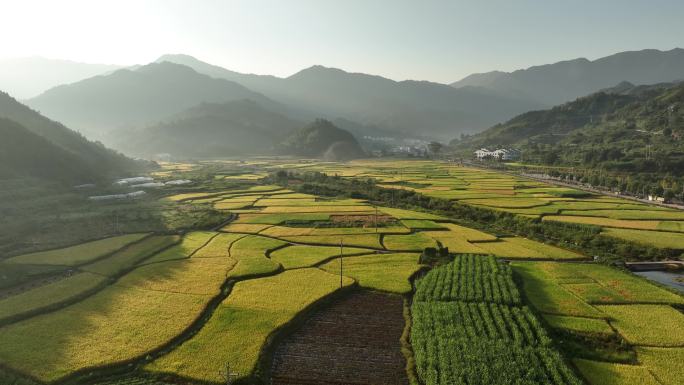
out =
column 564, row 81
column 419, row 108
column 186, row 107
column 127, row 98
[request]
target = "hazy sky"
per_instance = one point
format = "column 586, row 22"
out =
column 401, row 39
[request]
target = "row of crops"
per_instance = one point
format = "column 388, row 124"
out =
column 468, row 328
column 470, row 278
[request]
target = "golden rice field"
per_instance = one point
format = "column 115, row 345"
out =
column 238, row 329
column 607, row 373
column 79, row 254
column 649, row 325
column 385, row 272
column 664, row 363
column 117, row 324
column 503, row 192
column 280, row 255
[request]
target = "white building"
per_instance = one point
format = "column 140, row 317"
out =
column 506, row 154
column 483, row 153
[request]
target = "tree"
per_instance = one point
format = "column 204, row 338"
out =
column 435, row 147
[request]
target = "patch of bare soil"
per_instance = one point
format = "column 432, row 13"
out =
column 353, row 341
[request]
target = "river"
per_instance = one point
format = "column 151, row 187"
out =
column 665, row 277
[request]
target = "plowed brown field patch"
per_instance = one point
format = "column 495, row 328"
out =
column 354, row 341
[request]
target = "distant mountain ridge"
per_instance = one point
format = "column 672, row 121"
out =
column 28, row 77
column 137, row 97
column 418, row 107
column 567, row 80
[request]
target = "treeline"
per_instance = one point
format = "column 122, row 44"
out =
column 640, row 185
column 583, row 238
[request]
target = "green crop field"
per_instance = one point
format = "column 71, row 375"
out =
column 510, row 203
column 250, row 254
column 656, row 238
column 466, row 329
column 386, row 272
column 128, row 322
column 240, row 326
column 607, row 373
column 408, row 242
column 408, row 214
column 50, row 295
column 131, row 255
column 664, row 363
column 276, row 219
column 455, row 242
column 247, row 228
column 671, row 226
column 218, row 247
column 200, row 276
column 493, row 282
column 469, row 234
column 353, row 240
column 190, row 243
column 548, row 296
column 652, row 325
column 517, row 247
column 293, row 257
column 421, row 224
column 284, row 231
column 316, row 209
column 481, row 315
column 622, row 286
column 644, row 213
column 79, row 254
column 579, row 324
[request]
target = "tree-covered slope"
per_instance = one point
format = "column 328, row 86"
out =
column 26, row 154
column 322, row 139
column 627, row 128
column 99, row 158
column 207, row 130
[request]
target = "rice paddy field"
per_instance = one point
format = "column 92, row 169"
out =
column 504, row 192
column 181, row 305
column 596, row 301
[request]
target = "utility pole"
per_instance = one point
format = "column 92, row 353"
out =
column 227, row 375
column 341, row 247
column 376, row 219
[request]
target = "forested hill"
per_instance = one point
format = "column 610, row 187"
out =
column 322, row 139
column 23, row 153
column 626, row 128
column 241, row 127
column 99, row 159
